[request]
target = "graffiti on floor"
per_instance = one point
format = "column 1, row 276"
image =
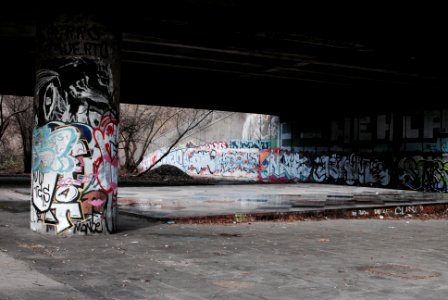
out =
column 406, row 211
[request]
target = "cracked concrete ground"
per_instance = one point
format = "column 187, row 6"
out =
column 330, row 259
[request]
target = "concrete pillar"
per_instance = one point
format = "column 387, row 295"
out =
column 75, row 139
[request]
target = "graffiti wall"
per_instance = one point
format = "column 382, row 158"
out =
column 239, row 130
column 75, row 154
column 273, row 165
column 411, row 145
column 424, row 173
column 253, row 162
column 350, row 169
column 424, row 131
column 215, row 159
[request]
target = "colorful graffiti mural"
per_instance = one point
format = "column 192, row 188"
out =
column 427, row 174
column 273, row 165
column 244, row 159
column 75, row 140
column 258, row 144
column 75, row 176
column 282, row 165
column 209, row 161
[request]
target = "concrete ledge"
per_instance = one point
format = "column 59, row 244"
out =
column 391, row 211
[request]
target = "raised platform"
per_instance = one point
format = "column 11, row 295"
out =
column 256, row 202
column 246, row 203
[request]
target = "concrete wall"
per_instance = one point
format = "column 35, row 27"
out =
column 225, row 146
column 75, row 155
column 225, row 126
column 424, row 131
column 406, row 150
column 224, row 160
column 410, row 146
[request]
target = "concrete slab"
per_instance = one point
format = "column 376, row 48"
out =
column 211, row 201
column 330, row 259
column 227, row 203
column 22, row 281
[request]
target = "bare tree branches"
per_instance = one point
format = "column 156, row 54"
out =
column 190, row 122
column 141, row 125
column 9, row 108
column 16, row 113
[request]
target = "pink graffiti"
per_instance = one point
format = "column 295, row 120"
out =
column 106, row 166
column 97, row 203
column 81, row 180
column 95, row 199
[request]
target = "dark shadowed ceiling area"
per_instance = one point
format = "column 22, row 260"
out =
column 255, row 56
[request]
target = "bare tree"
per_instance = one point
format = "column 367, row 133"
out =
column 7, row 113
column 185, row 122
column 141, row 125
column 22, row 119
column 138, row 125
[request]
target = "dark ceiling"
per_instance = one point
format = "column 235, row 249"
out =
column 255, row 56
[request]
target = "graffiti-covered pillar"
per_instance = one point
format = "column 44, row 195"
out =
column 75, row 139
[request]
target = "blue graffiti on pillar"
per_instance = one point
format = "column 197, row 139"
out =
column 51, row 148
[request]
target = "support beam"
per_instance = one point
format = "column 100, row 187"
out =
column 75, row 140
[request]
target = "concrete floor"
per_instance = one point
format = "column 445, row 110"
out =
column 149, row 258
column 219, row 200
column 183, row 203
column 330, row 259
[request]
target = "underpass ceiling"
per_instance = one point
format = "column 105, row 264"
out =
column 240, row 55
